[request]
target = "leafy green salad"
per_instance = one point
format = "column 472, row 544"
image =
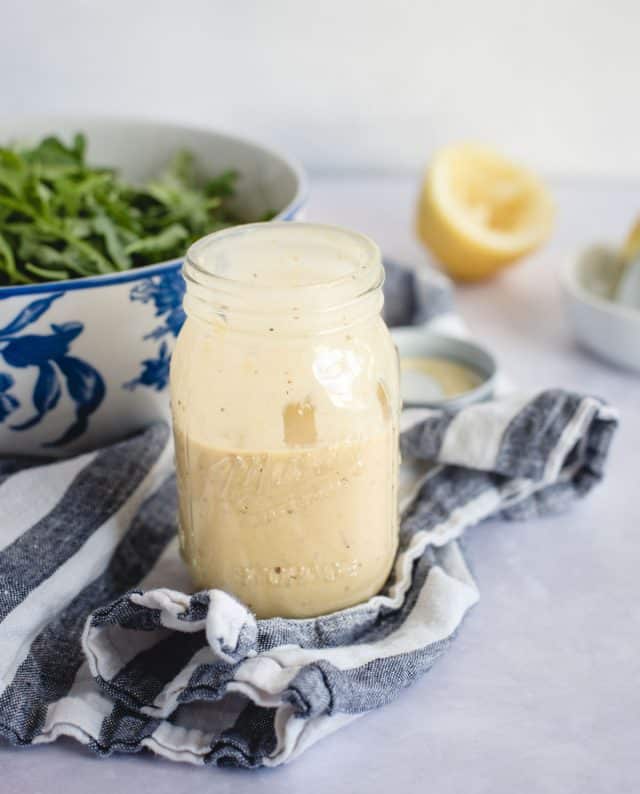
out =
column 62, row 218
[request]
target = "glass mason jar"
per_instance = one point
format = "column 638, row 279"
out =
column 285, row 402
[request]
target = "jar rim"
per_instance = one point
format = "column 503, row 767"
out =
column 347, row 265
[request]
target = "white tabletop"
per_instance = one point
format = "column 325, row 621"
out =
column 540, row 692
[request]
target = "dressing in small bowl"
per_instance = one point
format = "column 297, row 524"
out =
column 442, row 371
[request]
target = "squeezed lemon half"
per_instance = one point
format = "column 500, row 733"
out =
column 631, row 246
column 478, row 212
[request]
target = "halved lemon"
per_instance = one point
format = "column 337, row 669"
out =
column 631, row 246
column 478, row 212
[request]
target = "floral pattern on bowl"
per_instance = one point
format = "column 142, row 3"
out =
column 50, row 356
column 165, row 292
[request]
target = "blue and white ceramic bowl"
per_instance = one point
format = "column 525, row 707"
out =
column 85, row 362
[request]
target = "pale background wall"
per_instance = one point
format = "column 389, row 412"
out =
column 360, row 84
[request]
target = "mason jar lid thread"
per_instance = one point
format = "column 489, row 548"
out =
column 289, row 277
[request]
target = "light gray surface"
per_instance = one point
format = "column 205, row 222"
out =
column 539, row 693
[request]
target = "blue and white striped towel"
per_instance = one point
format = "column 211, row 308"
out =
column 101, row 640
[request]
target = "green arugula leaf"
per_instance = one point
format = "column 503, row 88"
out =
column 164, row 241
column 46, row 273
column 61, row 217
column 223, row 185
column 7, row 259
column 105, row 227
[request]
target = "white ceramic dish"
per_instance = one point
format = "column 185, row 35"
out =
column 84, row 362
column 603, row 326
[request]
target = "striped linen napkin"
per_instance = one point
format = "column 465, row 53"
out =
column 102, row 640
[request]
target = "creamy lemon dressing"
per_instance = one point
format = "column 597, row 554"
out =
column 436, row 378
column 285, row 401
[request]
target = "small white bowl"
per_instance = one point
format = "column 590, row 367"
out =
column 85, row 362
column 419, row 341
column 601, row 325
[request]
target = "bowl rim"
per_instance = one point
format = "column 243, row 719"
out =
column 287, row 213
column 576, row 291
